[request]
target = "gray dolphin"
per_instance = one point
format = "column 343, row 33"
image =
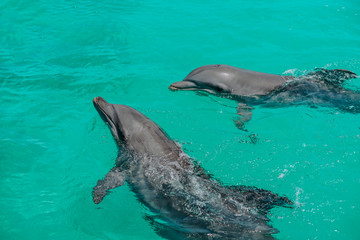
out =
column 184, row 201
column 250, row 88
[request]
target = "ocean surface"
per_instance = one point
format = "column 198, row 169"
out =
column 56, row 56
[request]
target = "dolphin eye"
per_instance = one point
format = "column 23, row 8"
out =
column 221, row 88
column 218, row 89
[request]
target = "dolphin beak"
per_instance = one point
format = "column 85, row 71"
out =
column 183, row 85
column 108, row 113
column 100, row 102
column 104, row 108
column 172, row 87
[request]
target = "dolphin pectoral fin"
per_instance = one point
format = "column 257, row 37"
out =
column 245, row 113
column 115, row 178
column 263, row 199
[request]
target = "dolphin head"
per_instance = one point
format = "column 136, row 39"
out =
column 214, row 79
column 132, row 129
column 113, row 116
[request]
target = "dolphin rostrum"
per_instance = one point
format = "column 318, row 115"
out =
column 184, row 201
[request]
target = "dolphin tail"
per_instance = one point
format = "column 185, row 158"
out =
column 263, row 199
column 113, row 179
column 334, row 76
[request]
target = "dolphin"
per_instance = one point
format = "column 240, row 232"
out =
column 184, row 201
column 320, row 88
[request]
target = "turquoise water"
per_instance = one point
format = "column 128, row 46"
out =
column 56, row 56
